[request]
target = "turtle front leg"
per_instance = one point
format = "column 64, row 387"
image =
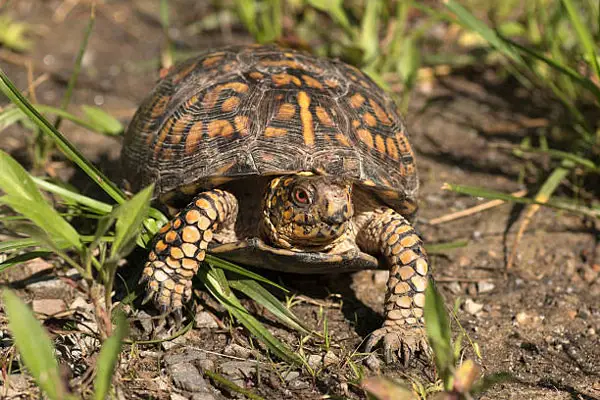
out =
column 391, row 236
column 180, row 247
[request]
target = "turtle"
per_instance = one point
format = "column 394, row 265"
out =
column 279, row 159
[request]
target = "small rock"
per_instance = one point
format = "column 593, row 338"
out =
column 298, row 384
column 242, row 369
column 175, row 396
column 206, row 365
column 380, row 278
column 81, row 304
column 51, row 288
column 521, row 318
column 235, row 349
column 591, row 332
column 471, row 307
column 48, row 306
column 202, row 396
column 571, row 314
column 205, row 319
column 485, row 287
column 145, row 321
column 291, row 375
column 464, row 261
column 171, row 344
column 455, row 288
column 187, row 377
column 330, row 359
column 315, row 361
column 187, row 355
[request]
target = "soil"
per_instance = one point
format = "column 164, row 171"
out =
column 539, row 321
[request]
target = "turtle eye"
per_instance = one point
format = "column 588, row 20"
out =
column 301, row 197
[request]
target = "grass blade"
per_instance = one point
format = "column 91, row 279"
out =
column 491, row 194
column 107, row 360
column 582, row 80
column 102, row 121
column 77, row 68
column 438, row 333
column 229, row 266
column 130, row 216
column 93, row 204
column 17, row 244
column 469, row 21
column 210, row 278
column 34, row 345
column 9, row 89
column 23, row 196
column 263, row 297
column 585, row 36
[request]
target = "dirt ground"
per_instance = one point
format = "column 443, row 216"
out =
column 538, row 321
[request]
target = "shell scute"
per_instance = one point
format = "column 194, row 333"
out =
column 261, row 110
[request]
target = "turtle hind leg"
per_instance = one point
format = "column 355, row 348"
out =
column 180, row 247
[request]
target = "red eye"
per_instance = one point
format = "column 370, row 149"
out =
column 301, row 196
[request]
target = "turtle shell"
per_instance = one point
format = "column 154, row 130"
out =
column 264, row 110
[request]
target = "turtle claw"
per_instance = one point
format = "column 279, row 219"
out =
column 398, row 342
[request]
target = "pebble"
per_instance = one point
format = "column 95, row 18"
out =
column 485, row 287
column 81, row 304
column 145, row 321
column 471, row 307
column 187, row 377
column 48, row 306
column 521, row 318
column 187, row 355
column 330, row 359
column 455, row 288
column 171, row 344
column 291, row 375
column 235, row 349
column 50, row 288
column 175, row 396
column 240, row 369
column 205, row 319
column 202, row 396
column 206, row 365
column 315, row 361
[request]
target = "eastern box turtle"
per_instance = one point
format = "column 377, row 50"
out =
column 278, row 159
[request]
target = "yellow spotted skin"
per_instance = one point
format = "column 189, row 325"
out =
column 279, row 159
column 180, row 247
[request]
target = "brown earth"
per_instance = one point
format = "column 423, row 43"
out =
column 538, row 321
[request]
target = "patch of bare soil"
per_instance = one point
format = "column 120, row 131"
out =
column 539, row 321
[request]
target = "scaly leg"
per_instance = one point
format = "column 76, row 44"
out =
column 180, row 247
column 389, row 234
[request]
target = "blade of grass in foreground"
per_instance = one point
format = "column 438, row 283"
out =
column 9, row 89
column 438, row 333
column 585, row 36
column 212, row 278
column 262, row 296
column 23, row 196
column 107, row 360
column 491, row 194
column 34, row 346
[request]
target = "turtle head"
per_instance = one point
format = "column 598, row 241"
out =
column 307, row 212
